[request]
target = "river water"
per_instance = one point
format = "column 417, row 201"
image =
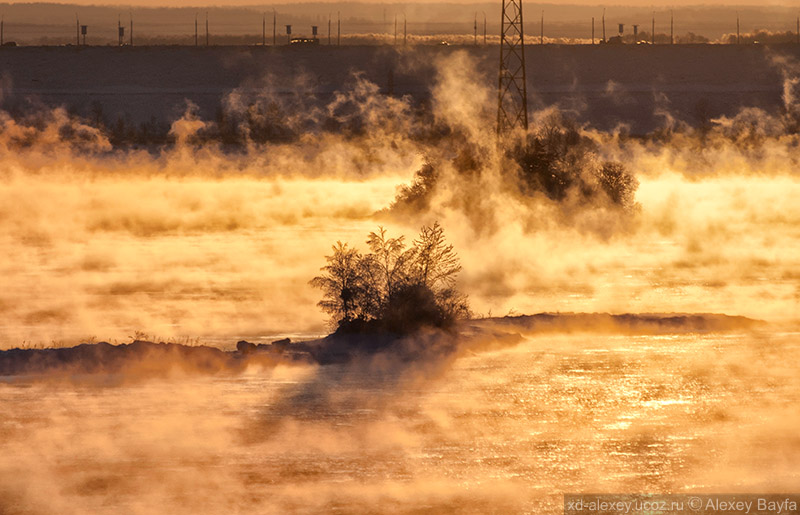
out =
column 505, row 430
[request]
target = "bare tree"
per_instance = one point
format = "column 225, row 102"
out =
column 435, row 263
column 391, row 259
column 393, row 289
column 619, row 185
column 346, row 291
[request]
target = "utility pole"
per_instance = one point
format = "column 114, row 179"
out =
column 512, row 93
column 329, row 29
column 274, row 28
column 604, row 25
column 77, row 31
column 195, row 29
column 120, row 30
column 541, row 30
column 395, row 30
column 737, row 27
column 130, row 36
column 671, row 28
column 405, row 31
column 206, row 28
column 484, row 28
column 338, row 28
column 593, row 30
column 475, row 30
column 653, row 30
column 264, row 29
column 2, row 27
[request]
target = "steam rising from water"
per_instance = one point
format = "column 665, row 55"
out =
column 508, row 430
column 195, row 240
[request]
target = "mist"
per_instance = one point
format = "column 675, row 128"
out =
column 212, row 235
column 193, row 240
column 511, row 428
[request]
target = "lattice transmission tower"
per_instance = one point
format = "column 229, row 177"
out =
column 512, row 92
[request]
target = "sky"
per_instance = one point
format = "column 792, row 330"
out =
column 236, row 3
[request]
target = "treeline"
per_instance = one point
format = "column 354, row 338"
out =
column 259, row 123
column 553, row 158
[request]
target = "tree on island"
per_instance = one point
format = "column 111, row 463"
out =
column 393, row 288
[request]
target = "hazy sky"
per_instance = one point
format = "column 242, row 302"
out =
column 234, row 3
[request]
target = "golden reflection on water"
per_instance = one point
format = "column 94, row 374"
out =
column 507, row 430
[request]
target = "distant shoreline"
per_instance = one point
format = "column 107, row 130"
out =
column 26, row 22
column 348, row 46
